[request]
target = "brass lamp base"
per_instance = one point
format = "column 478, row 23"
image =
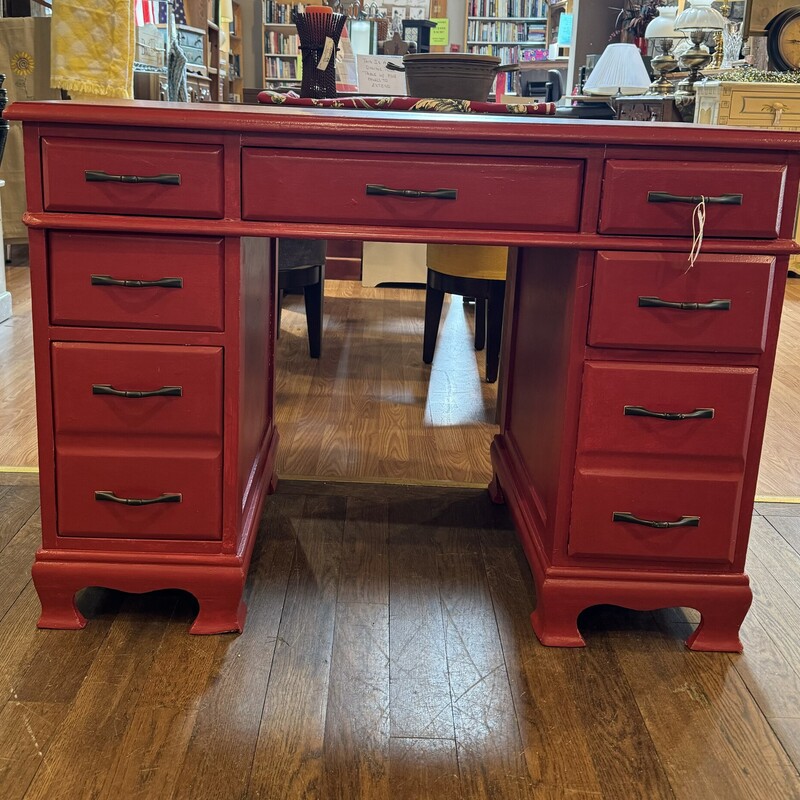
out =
column 663, row 63
column 694, row 60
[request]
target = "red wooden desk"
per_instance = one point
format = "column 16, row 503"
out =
column 635, row 389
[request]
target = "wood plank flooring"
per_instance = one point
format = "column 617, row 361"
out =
column 370, row 410
column 388, row 654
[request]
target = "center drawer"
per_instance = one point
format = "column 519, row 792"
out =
column 154, row 179
column 368, row 188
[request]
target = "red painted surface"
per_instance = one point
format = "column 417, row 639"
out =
column 133, row 472
column 575, row 348
column 74, row 257
column 506, row 186
column 625, row 207
column 620, row 279
column 657, row 495
column 79, row 413
column 607, row 432
column 199, row 167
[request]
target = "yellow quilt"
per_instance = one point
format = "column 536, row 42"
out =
column 92, row 48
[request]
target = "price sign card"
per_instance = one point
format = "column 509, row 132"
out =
column 374, row 77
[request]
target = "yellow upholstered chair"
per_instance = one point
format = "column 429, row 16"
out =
column 477, row 271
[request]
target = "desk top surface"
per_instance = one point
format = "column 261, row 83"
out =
column 223, row 118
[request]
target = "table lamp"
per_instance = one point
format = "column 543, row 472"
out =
column 619, row 70
column 697, row 21
column 661, row 29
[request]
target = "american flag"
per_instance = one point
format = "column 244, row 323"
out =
column 155, row 11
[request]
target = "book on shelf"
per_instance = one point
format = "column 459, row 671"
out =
column 507, row 8
column 276, row 43
column 524, row 32
column 284, row 69
column 280, row 13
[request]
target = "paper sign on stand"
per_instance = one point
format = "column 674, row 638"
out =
column 375, row 78
column 440, row 35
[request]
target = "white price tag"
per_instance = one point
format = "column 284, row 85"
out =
column 327, row 52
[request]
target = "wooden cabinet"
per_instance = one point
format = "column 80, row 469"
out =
column 635, row 385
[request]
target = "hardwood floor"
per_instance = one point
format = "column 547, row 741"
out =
column 388, row 654
column 370, row 410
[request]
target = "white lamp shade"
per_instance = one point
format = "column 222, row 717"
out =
column 619, row 70
column 663, row 26
column 700, row 17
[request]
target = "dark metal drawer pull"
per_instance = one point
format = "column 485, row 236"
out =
column 161, row 283
column 110, row 497
column 683, row 522
column 711, row 305
column 98, row 176
column 722, row 200
column 436, row 194
column 164, row 391
column 641, row 411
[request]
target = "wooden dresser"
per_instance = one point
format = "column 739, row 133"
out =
column 635, row 386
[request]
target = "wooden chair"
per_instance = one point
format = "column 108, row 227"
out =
column 477, row 271
column 301, row 265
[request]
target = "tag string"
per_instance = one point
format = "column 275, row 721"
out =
column 698, row 228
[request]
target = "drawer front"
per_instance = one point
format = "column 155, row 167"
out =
column 277, row 186
column 86, row 378
column 625, row 208
column 597, row 497
column 191, row 267
column 620, row 404
column 191, row 39
column 764, row 107
column 195, row 477
column 198, row 192
column 194, row 55
column 629, row 288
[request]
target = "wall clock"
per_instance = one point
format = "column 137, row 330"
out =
column 783, row 40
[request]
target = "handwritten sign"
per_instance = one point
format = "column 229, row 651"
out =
column 375, row 78
column 440, row 35
column 565, row 30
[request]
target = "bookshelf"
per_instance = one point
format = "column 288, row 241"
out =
column 281, row 60
column 509, row 29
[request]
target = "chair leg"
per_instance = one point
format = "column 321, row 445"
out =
column 313, row 296
column 434, row 300
column 494, row 330
column 480, row 323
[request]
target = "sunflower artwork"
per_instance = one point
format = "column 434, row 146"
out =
column 22, row 65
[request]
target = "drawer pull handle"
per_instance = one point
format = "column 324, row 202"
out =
column 711, row 305
column 641, row 411
column 110, row 497
column 721, row 200
column 98, row 176
column 164, row 391
column 435, row 194
column 683, row 522
column 161, row 283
